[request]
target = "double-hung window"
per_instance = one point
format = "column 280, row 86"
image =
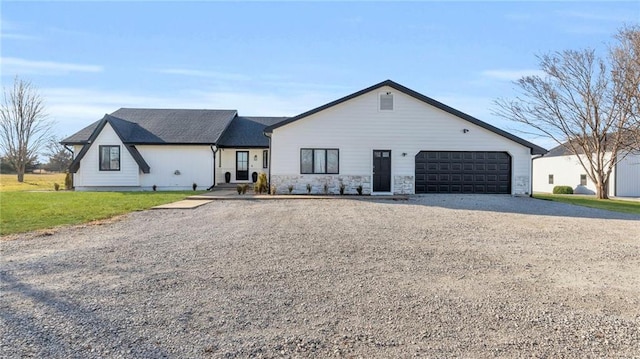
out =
column 109, row 158
column 319, row 161
column 583, row 180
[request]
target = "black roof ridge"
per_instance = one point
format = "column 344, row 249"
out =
column 535, row 149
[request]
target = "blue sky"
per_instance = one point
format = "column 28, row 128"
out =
column 284, row 58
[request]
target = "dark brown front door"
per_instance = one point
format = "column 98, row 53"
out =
column 381, row 171
column 242, row 165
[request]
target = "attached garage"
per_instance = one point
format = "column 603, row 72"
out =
column 463, row 172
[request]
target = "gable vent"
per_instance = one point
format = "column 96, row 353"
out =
column 386, row 101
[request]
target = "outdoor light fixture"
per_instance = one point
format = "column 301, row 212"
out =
column 404, row 154
column 255, row 157
column 465, row 130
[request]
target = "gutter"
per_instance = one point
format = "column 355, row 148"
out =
column 214, row 150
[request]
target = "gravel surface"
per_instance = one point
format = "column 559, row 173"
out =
column 434, row 276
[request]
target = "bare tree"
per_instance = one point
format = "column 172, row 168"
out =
column 24, row 126
column 59, row 158
column 587, row 104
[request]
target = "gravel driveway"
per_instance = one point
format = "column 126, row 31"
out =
column 434, row 276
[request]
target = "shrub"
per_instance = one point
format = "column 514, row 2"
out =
column 290, row 188
column 68, row 181
column 273, row 189
column 244, row 188
column 341, row 188
column 194, row 186
column 56, row 186
column 261, row 185
column 239, row 189
column 308, row 188
column 359, row 189
column 154, row 188
column 562, row 190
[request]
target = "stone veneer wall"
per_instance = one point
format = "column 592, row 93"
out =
column 317, row 182
column 403, row 185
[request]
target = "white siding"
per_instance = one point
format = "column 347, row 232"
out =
column 193, row 163
column 228, row 163
column 357, row 127
column 89, row 174
column 628, row 177
column 566, row 171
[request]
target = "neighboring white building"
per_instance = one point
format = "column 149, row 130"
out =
column 560, row 168
column 392, row 140
column 386, row 138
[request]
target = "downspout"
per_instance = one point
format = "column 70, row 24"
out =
column 270, row 164
column 531, row 176
column 214, row 149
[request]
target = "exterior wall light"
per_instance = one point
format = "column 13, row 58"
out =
column 465, row 130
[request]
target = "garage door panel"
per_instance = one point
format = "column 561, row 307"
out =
column 463, row 172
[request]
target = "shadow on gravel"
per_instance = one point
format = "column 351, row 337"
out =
column 46, row 336
column 510, row 204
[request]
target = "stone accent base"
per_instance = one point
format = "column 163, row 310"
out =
column 403, row 185
column 318, row 182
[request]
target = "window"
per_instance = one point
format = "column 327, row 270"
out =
column 313, row 160
column 109, row 158
column 550, row 179
column 265, row 158
column 583, row 180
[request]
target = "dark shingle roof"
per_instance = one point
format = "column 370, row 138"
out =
column 163, row 126
column 536, row 150
column 248, row 132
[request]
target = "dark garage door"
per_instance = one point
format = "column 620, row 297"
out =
column 463, row 172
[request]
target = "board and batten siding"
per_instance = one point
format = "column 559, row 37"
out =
column 177, row 167
column 89, row 174
column 628, row 176
column 357, row 127
column 566, row 171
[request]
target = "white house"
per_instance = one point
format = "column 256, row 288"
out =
column 561, row 168
column 386, row 138
column 392, row 140
column 137, row 149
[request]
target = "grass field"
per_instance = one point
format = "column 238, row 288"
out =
column 589, row 201
column 32, row 182
column 22, row 211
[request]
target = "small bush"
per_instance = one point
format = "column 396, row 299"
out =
column 261, row 185
column 290, row 188
column 273, row 189
column 56, row 186
column 244, row 188
column 68, row 181
column 308, row 188
column 562, row 190
column 194, row 186
column 239, row 189
column 341, row 188
column 154, row 188
column 359, row 189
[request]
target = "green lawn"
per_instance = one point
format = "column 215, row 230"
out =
column 28, row 211
column 615, row 205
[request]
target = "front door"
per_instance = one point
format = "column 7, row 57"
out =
column 381, row 171
column 242, row 165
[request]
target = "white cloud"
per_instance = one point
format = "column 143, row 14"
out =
column 202, row 73
column 14, row 65
column 511, row 75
